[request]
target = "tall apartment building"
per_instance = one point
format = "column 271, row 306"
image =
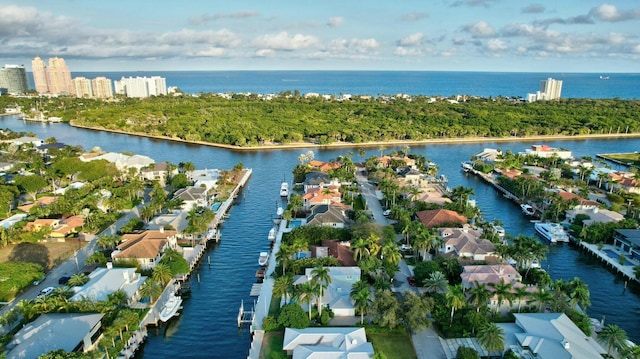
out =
column 13, row 79
column 53, row 79
column 82, row 87
column 550, row 89
column 39, row 70
column 102, row 87
column 141, row 86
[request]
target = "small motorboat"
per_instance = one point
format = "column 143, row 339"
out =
column 527, row 209
column 263, row 259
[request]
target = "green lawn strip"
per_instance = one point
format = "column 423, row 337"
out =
column 393, row 345
column 272, row 346
column 632, row 159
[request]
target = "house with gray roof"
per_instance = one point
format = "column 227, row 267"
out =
column 192, row 197
column 104, row 281
column 328, row 215
column 327, row 343
column 552, row 336
column 628, row 241
column 316, row 180
column 336, row 296
column 465, row 243
column 71, row 332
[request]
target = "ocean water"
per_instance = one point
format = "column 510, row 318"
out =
column 429, row 83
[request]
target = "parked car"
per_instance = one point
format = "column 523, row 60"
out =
column 45, row 292
column 63, row 280
column 412, row 281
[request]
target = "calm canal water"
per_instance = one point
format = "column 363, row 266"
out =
column 207, row 328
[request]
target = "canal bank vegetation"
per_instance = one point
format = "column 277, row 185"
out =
column 253, row 121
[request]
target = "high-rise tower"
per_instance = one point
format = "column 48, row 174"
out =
column 551, row 88
column 39, row 70
column 13, row 79
column 59, row 77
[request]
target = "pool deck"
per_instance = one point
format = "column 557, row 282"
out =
column 610, row 255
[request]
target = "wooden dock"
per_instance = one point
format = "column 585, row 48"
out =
column 626, row 271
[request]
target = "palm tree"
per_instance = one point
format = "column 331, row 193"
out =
column 614, row 337
column 78, row 280
column 520, row 293
column 491, row 337
column 541, row 296
column 391, row 253
column 284, row 256
column 579, row 293
column 479, row 295
column 436, row 283
column 360, row 248
column 361, row 297
column 282, row 286
column 320, row 277
column 502, row 290
column 306, row 292
column 455, row 298
column 150, row 289
column 162, row 274
column 108, row 241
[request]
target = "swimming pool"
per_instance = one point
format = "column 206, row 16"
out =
column 301, row 255
column 216, row 206
column 294, row 223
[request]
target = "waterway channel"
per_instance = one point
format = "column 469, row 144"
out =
column 207, row 327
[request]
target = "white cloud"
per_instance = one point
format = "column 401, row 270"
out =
column 415, row 39
column 335, row 21
column 223, row 37
column 210, row 52
column 353, row 45
column 610, row 13
column 407, row 51
column 496, row 45
column 265, row 52
column 282, row 41
column 480, row 29
column 415, row 16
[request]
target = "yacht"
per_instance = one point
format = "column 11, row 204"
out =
column 553, row 232
column 527, row 209
column 170, row 307
column 272, row 234
column 498, row 230
column 280, row 212
column 263, row 259
column 284, row 189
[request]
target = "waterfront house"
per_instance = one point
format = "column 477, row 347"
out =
column 71, row 332
column 627, row 241
column 465, row 243
column 336, row 295
column 317, row 196
column 488, row 155
column 317, row 180
column 544, row 151
column 158, row 172
column 104, row 281
column 323, row 166
column 40, row 202
column 492, row 275
column 439, row 217
column 580, row 203
column 596, row 215
column 336, row 249
column 328, row 215
column 146, row 247
column 624, row 181
column 192, row 197
column 207, row 178
column 389, row 161
column 121, row 161
column 327, row 342
column 35, row 141
column 550, row 336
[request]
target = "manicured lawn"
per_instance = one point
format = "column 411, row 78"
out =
column 394, row 346
column 272, row 346
column 629, row 158
column 46, row 254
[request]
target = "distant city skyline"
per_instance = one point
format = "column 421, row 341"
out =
column 439, row 35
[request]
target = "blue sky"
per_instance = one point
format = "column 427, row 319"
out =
column 429, row 35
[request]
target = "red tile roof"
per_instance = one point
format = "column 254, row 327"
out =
column 438, row 217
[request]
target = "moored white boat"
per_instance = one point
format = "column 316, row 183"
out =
column 272, row 234
column 527, row 209
column 279, row 212
column 553, row 232
column 170, row 308
column 284, row 189
column 263, row 259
